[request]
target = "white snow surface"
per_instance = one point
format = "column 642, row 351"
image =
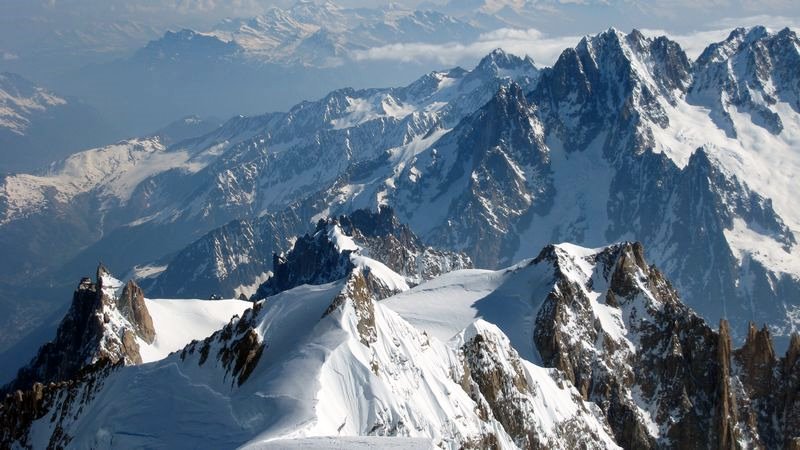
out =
column 16, row 106
column 115, row 171
column 316, row 385
column 343, row 242
column 345, row 443
column 178, row 322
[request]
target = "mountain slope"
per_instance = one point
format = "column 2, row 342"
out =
column 617, row 330
column 343, row 343
column 616, row 113
column 621, row 139
column 242, row 253
column 38, row 126
column 578, row 346
column 110, row 322
column 242, row 169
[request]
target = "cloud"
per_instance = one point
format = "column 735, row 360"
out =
column 545, row 49
column 542, row 48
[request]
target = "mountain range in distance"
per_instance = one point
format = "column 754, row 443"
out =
column 577, row 346
column 457, row 262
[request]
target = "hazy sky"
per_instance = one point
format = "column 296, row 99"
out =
column 575, row 15
column 35, row 32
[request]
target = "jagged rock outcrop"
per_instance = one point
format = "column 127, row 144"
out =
column 132, row 307
column 770, row 387
column 495, row 379
column 663, row 377
column 612, row 358
column 56, row 402
column 493, row 373
column 314, row 259
column 327, row 254
column 237, row 347
column 387, row 240
column 362, row 289
column 103, row 323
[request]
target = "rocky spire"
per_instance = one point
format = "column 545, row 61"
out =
column 725, row 411
column 88, row 334
column 757, row 361
column 132, row 307
column 789, row 398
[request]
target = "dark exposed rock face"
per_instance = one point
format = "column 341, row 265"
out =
column 498, row 389
column 493, row 167
column 86, row 335
column 492, row 373
column 225, row 258
column 62, row 358
column 237, row 346
column 725, row 420
column 132, row 307
column 599, row 79
column 680, row 375
column 770, row 386
column 788, row 406
column 62, row 401
column 394, row 244
column 316, row 259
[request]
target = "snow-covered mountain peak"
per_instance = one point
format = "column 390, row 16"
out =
column 628, row 80
column 315, row 12
column 658, row 63
column 506, row 65
column 110, row 322
column 737, row 38
column 753, row 71
column 20, row 99
column 578, row 346
column 367, row 242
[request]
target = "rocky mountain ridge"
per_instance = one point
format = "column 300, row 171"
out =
column 37, row 125
column 104, row 325
column 476, row 164
column 325, row 34
column 589, row 346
